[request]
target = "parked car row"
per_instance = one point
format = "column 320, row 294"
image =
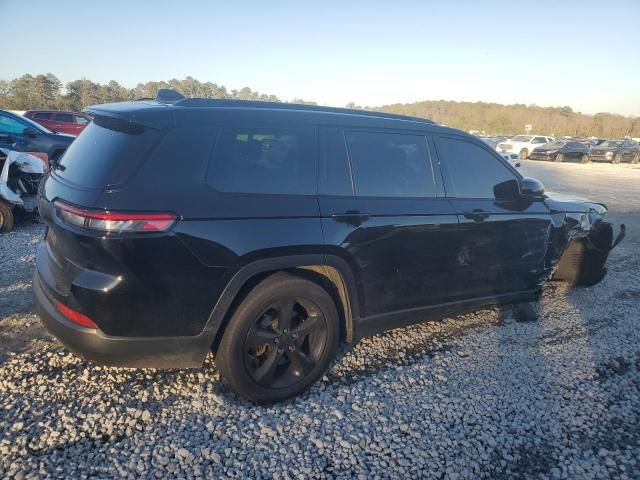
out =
column 582, row 150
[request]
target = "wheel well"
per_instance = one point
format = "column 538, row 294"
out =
column 327, row 277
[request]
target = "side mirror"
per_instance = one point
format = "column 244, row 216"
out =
column 30, row 132
column 530, row 187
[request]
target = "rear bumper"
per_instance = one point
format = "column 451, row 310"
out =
column 138, row 352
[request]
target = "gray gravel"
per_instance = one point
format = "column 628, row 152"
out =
column 479, row 396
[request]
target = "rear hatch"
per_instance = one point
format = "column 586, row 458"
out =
column 103, row 157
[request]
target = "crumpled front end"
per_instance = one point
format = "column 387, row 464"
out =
column 20, row 175
column 580, row 243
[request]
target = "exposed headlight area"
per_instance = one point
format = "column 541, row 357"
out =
column 609, row 154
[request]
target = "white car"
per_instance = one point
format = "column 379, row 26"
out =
column 523, row 145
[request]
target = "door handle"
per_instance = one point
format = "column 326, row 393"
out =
column 477, row 215
column 351, row 217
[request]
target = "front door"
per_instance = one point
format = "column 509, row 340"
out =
column 382, row 213
column 503, row 239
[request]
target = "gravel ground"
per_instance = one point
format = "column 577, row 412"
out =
column 479, row 396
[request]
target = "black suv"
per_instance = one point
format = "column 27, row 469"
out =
column 268, row 233
column 561, row 150
column 616, row 151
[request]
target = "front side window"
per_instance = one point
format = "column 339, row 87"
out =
column 390, row 165
column 539, row 140
column 64, row 117
column 473, row 170
column 265, row 161
column 10, row 125
column 42, row 116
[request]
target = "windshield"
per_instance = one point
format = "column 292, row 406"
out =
column 521, row 138
column 556, row 144
column 611, row 143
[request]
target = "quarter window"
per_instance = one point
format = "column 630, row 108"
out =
column 264, row 160
column 390, row 165
column 473, row 170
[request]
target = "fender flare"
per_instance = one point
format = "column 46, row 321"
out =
column 347, row 291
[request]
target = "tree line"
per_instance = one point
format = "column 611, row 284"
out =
column 47, row 91
column 494, row 118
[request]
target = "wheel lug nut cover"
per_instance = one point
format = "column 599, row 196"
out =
column 276, row 340
column 291, row 348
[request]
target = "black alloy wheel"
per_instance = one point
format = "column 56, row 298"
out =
column 285, row 342
column 280, row 339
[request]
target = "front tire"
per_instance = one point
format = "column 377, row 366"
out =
column 636, row 159
column 585, row 159
column 524, row 154
column 280, row 340
column 559, row 158
column 617, row 158
column 6, row 217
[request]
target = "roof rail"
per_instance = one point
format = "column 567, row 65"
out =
column 222, row 103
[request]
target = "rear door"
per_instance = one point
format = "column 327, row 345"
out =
column 383, row 211
column 503, row 242
column 43, row 118
column 63, row 123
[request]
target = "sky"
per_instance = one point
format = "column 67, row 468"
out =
column 584, row 54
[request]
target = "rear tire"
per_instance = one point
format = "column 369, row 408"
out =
column 617, row 158
column 524, row 154
column 280, row 340
column 6, row 217
column 585, row 159
column 559, row 158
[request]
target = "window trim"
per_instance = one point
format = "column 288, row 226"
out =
column 391, row 131
column 444, row 167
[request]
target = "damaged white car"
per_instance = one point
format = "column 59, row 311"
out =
column 20, row 176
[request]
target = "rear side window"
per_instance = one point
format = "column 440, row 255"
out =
column 472, row 169
column 80, row 120
column 106, row 153
column 265, row 161
column 64, row 117
column 41, row 116
column 390, row 165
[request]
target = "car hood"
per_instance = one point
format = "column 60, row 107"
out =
column 570, row 203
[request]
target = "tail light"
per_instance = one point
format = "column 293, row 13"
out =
column 114, row 222
column 74, row 316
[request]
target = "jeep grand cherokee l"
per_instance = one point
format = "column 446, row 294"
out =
column 268, row 233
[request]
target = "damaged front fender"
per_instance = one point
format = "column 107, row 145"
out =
column 580, row 241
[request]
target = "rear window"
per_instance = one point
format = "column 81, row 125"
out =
column 106, row 153
column 265, row 161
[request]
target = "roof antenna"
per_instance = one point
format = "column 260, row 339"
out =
column 168, row 95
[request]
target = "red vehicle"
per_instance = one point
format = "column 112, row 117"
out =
column 71, row 123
